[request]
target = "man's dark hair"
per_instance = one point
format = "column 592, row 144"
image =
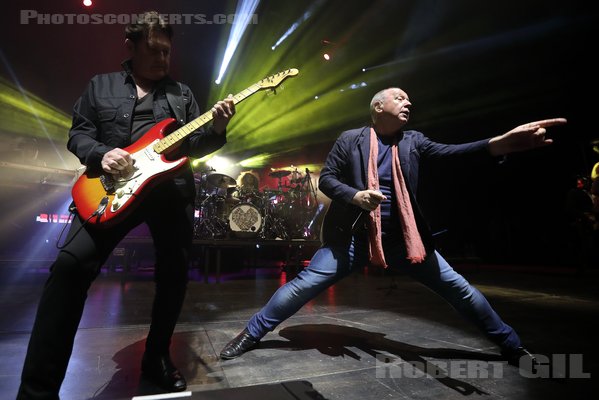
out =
column 147, row 23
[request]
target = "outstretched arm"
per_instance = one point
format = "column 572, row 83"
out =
column 524, row 137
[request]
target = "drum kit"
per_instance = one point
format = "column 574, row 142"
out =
column 225, row 210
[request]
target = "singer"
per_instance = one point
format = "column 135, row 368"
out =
column 375, row 168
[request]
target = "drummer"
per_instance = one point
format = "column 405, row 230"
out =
column 248, row 182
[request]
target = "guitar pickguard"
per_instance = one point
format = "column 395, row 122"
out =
column 147, row 165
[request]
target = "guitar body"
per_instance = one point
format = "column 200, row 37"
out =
column 124, row 193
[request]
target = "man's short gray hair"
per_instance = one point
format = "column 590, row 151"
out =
column 379, row 97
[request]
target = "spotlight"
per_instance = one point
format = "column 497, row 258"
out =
column 87, row 3
column 299, row 21
column 245, row 9
column 333, row 46
column 219, row 163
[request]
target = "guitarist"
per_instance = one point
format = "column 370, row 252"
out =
column 114, row 111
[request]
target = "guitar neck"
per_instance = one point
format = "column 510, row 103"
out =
column 171, row 141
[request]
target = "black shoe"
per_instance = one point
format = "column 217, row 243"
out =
column 161, row 371
column 236, row 347
column 520, row 357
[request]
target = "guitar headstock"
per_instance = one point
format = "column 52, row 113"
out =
column 275, row 80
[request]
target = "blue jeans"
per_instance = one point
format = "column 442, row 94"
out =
column 330, row 264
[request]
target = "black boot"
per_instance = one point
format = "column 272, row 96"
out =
column 520, row 357
column 160, row 371
column 236, row 347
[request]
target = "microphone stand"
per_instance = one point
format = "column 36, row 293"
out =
column 308, row 230
column 311, row 186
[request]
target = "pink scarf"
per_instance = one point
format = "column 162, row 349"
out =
column 414, row 245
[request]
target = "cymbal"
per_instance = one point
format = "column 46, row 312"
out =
column 221, row 181
column 279, row 174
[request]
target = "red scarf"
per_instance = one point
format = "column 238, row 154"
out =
column 414, row 245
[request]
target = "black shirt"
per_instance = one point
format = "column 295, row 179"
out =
column 143, row 116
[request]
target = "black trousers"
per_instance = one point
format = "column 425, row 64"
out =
column 169, row 215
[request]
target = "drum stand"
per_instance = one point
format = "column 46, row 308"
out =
column 274, row 227
column 209, row 226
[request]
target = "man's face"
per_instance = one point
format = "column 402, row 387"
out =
column 396, row 106
column 151, row 58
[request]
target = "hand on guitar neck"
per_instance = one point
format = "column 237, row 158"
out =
column 222, row 112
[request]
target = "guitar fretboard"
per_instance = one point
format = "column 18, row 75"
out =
column 171, row 141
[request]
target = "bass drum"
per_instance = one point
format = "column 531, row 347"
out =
column 245, row 220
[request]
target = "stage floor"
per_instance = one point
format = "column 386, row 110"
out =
column 371, row 336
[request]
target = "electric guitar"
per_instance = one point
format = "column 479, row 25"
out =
column 105, row 199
